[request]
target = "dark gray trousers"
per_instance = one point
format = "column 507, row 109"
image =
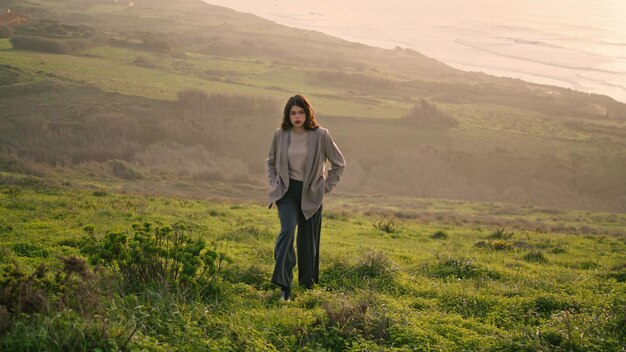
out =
column 308, row 240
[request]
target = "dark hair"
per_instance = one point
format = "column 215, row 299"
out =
column 299, row 100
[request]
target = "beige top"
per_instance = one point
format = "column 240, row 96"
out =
column 296, row 155
column 320, row 148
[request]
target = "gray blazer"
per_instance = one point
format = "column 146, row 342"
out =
column 320, row 148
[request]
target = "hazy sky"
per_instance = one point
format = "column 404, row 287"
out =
column 576, row 44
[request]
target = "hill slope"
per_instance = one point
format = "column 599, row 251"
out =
column 135, row 84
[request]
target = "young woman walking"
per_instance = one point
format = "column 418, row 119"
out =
column 296, row 169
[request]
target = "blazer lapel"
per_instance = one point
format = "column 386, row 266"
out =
column 311, row 144
column 284, row 159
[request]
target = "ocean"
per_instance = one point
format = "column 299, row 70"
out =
column 578, row 44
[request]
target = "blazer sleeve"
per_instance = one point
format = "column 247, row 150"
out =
column 271, row 162
column 337, row 163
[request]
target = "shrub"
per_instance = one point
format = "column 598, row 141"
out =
column 500, row 234
column 5, row 31
column 152, row 255
column 145, row 61
column 38, row 44
column 439, row 235
column 122, row 169
column 387, row 226
column 428, row 114
column 193, row 98
column 545, row 305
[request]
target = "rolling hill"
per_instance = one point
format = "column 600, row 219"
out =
column 166, row 93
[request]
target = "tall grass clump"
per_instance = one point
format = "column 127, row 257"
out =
column 386, row 226
column 500, row 234
column 373, row 269
column 461, row 268
column 535, row 257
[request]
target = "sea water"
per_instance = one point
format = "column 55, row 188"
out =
column 578, row 44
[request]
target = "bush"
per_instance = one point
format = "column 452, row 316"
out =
column 38, row 44
column 545, row 305
column 153, row 255
column 122, row 169
column 428, row 114
column 193, row 98
column 500, row 234
column 387, row 226
column 439, row 235
column 5, row 31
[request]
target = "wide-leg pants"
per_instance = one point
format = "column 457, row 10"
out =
column 307, row 242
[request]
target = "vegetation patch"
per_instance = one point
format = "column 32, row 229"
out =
column 618, row 272
column 154, row 255
column 497, row 245
column 30, row 250
column 247, row 233
column 373, row 269
column 462, row 268
column 386, row 226
column 122, row 169
column 439, row 235
column 466, row 304
column 349, row 319
column 535, row 257
column 500, row 234
column 546, row 305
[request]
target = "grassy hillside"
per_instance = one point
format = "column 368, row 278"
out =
column 132, row 186
column 159, row 92
column 386, row 283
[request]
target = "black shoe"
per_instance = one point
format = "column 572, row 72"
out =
column 285, row 294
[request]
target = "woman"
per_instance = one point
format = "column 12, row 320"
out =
column 295, row 168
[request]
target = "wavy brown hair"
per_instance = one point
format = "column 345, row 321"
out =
column 301, row 101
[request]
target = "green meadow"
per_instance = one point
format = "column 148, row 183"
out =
column 389, row 281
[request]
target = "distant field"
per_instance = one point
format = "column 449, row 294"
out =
column 143, row 74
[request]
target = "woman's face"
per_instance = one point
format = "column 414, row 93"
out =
column 297, row 116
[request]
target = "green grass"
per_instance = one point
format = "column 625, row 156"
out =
column 510, row 120
column 404, row 289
